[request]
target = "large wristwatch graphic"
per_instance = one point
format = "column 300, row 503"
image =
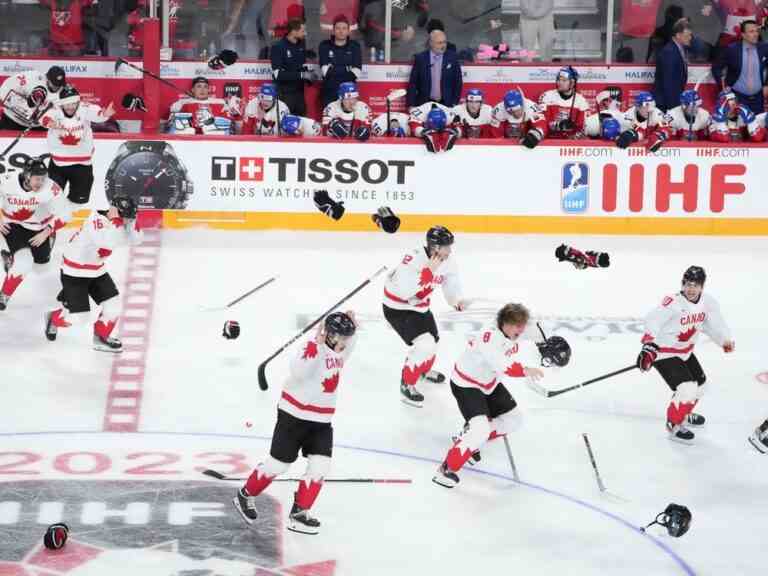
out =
column 151, row 173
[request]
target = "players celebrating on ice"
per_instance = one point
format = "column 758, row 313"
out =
column 292, row 125
column 733, row 122
column 564, row 109
column 398, row 125
column 203, row 114
column 262, row 112
column 347, row 116
column 32, row 209
column 70, row 141
column 485, row 403
column 84, row 275
column 518, row 118
column 407, row 298
column 759, row 438
column 25, row 97
column 304, row 414
column 689, row 121
column 474, row 118
column 643, row 123
column 671, row 331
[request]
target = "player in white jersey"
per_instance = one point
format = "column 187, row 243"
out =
column 734, row 122
column 84, row 274
column 406, row 305
column 608, row 106
column 300, row 126
column 25, row 97
column 759, row 438
column 70, row 142
column 518, row 118
column 644, row 123
column 203, row 113
column 671, row 331
column 491, row 355
column 564, row 109
column 435, row 125
column 398, row 125
column 32, row 209
column 347, row 116
column 262, row 112
column 304, row 414
column 473, row 117
column 689, row 121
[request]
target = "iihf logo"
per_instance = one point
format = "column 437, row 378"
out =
column 574, row 187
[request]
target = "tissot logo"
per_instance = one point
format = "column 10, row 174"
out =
column 252, row 168
column 229, row 168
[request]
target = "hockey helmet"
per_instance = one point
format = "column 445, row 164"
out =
column 609, row 99
column 675, row 518
column 690, row 100
column 347, row 90
column 267, row 92
column 35, row 166
column 338, row 325
column 290, row 124
column 695, row 274
column 436, row 119
column 56, row 77
column 126, row 206
column 439, row 236
column 555, row 350
column 475, row 95
column 610, row 129
column 69, row 95
column 512, row 100
column 568, row 72
column 643, row 99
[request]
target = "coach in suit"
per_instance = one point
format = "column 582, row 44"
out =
column 435, row 74
column 672, row 67
column 741, row 66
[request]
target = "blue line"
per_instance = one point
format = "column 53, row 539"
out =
column 687, row 569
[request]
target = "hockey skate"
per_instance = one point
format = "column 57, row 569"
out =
column 7, row 260
column 51, row 330
column 246, row 506
column 759, row 438
column 680, row 433
column 434, row 376
column 300, row 521
column 113, row 345
column 445, row 477
column 4, row 301
column 409, row 395
column 694, row 419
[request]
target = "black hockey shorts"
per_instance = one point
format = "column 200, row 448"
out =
column 409, row 325
column 18, row 239
column 8, row 123
column 78, row 176
column 675, row 371
column 472, row 402
column 76, row 291
column 293, row 434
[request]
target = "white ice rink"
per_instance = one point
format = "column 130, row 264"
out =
column 137, row 504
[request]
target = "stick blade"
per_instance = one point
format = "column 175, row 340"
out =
column 214, row 474
column 261, row 372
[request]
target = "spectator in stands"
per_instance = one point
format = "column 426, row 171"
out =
column 243, row 33
column 66, row 27
column 341, row 59
column 741, row 67
column 283, row 11
column 672, row 68
column 435, row 74
column 288, row 67
column 732, row 13
column 332, row 9
column 407, row 17
column 537, row 27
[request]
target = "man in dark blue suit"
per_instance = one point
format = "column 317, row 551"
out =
column 741, row 67
column 672, row 67
column 435, row 74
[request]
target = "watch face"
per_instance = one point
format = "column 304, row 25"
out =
column 151, row 179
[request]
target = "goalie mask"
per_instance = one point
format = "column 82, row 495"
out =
column 555, row 351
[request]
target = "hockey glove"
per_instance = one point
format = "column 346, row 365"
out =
column 452, row 134
column 531, row 139
column 231, row 330
column 581, row 259
column 328, row 206
column 338, row 129
column 132, row 103
column 647, row 356
column 308, row 74
column 655, row 141
column 721, row 113
column 626, row 138
column 431, row 140
column 566, row 125
column 37, row 97
column 386, row 220
column 362, row 133
column 746, row 115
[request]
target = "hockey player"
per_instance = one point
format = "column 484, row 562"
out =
column 84, row 274
column 474, row 118
column 485, row 403
column 261, row 113
column 759, row 438
column 564, row 109
column 689, row 121
column 304, row 414
column 643, row 123
column 407, row 297
column 292, row 125
column 434, row 124
column 732, row 122
column 608, row 106
column 32, row 209
column 25, row 97
column 671, row 331
column 398, row 125
column 347, row 116
column 70, row 141
column 520, row 119
column 203, row 114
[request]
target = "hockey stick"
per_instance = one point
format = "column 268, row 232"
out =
column 600, row 484
column 220, row 476
column 551, row 393
column 241, row 298
column 511, row 460
column 393, row 95
column 119, row 62
column 263, row 384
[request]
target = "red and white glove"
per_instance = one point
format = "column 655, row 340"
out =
column 729, row 346
column 647, row 356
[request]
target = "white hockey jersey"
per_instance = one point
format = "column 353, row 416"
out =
column 33, row 210
column 675, row 324
column 15, row 91
column 359, row 116
column 260, row 122
column 593, row 125
column 208, row 116
column 86, row 253
column 419, row 115
column 735, row 130
column 73, row 142
column 555, row 108
column 310, row 391
column 379, row 125
column 684, row 129
column 507, row 126
column 490, row 357
column 471, row 126
column 308, row 127
column 410, row 285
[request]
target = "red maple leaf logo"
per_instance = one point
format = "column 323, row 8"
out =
column 687, row 335
column 22, row 214
column 310, row 350
column 515, row 370
column 69, row 139
column 426, row 277
column 331, row 383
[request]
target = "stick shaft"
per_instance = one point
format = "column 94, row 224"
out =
column 588, row 382
column 156, row 77
column 220, row 476
column 511, row 460
column 600, row 484
column 244, row 296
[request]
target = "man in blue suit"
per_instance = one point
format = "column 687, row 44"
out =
column 741, row 67
column 672, row 67
column 435, row 74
